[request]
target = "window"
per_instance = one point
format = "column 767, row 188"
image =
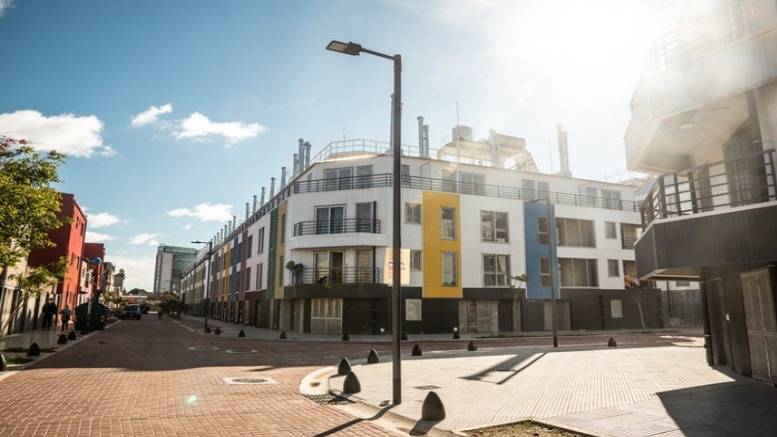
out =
column 611, row 199
column 415, row 260
column 546, row 278
column 364, row 176
column 282, row 268
column 613, row 268
column 471, row 183
column 493, row 226
column 405, row 174
column 448, row 269
column 616, row 308
column 413, row 213
column 496, row 270
column 413, row 310
column 575, row 233
column 364, row 217
column 259, row 276
column 330, row 220
column 260, row 240
column 338, row 178
column 682, row 283
column 578, row 272
column 610, row 231
column 250, row 246
column 447, row 223
column 543, row 188
column 248, row 279
column 542, row 229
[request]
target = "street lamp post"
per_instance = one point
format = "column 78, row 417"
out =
column 207, row 279
column 354, row 49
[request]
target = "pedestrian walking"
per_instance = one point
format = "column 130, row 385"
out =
column 49, row 311
column 65, row 317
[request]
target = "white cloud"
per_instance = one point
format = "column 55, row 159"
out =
column 101, row 220
column 198, row 126
column 139, row 269
column 151, row 114
column 97, row 237
column 66, row 133
column 187, row 226
column 146, row 238
column 4, row 4
column 205, row 212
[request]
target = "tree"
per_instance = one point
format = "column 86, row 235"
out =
column 29, row 206
column 170, row 304
column 33, row 284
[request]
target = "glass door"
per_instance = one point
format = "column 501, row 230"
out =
column 364, row 217
column 336, row 267
column 329, row 219
column 364, row 266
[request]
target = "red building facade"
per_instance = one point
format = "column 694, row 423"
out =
column 69, row 243
column 94, row 253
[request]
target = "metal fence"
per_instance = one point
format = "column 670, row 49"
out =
column 340, row 226
column 341, row 275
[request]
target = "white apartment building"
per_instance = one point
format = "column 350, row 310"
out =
column 313, row 258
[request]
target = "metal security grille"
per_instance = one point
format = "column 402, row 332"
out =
column 328, row 399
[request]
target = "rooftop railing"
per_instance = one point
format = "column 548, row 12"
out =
column 743, row 180
column 452, row 186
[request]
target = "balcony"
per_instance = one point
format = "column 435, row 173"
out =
column 450, row 186
column 744, row 180
column 343, row 226
column 692, row 91
column 335, row 276
column 715, row 214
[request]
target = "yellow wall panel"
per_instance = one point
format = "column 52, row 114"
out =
column 434, row 245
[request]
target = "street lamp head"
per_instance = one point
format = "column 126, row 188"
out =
column 349, row 48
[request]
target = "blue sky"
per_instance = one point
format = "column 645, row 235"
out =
column 76, row 73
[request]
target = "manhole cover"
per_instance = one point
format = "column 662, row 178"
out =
column 241, row 351
column 249, row 381
column 203, row 348
column 329, row 399
column 427, row 387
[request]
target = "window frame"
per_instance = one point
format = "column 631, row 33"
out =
column 607, row 230
column 545, row 274
column 419, row 264
column 455, row 281
column 453, row 221
column 619, row 311
column 496, row 273
column 494, row 230
column 408, row 207
column 613, row 263
column 541, row 233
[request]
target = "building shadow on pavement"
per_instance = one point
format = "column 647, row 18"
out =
column 344, row 426
column 743, row 407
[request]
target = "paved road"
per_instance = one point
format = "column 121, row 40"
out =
column 140, row 378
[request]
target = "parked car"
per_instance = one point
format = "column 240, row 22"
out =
column 130, row 312
column 144, row 308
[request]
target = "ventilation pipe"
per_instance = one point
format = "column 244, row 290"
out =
column 226, row 230
column 563, row 151
column 272, row 187
column 234, row 222
column 261, row 200
column 295, row 170
column 423, row 138
column 301, row 154
column 247, row 213
column 253, row 210
column 307, row 154
column 283, row 178
column 494, row 140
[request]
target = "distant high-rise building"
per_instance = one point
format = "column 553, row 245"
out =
column 171, row 262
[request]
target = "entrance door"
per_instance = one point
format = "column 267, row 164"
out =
column 718, row 323
column 761, row 324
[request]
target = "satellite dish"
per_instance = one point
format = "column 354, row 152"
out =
column 96, row 260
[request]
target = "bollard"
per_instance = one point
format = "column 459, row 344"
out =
column 612, row 343
column 404, row 337
column 34, row 350
column 344, row 367
column 373, row 357
column 3, row 363
column 241, row 334
column 84, row 331
column 432, row 410
column 346, row 337
column 471, row 346
column 217, row 331
column 283, row 335
column 71, row 335
column 351, row 384
column 456, row 335
column 62, row 339
column 416, row 350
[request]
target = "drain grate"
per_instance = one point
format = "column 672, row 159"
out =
column 242, row 380
column 241, row 351
column 203, row 348
column 329, row 399
column 427, row 387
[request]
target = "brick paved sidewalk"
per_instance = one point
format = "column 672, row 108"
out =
column 140, row 378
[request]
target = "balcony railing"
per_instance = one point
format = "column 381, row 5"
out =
column 342, row 226
column 744, row 180
column 452, row 186
column 342, row 275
